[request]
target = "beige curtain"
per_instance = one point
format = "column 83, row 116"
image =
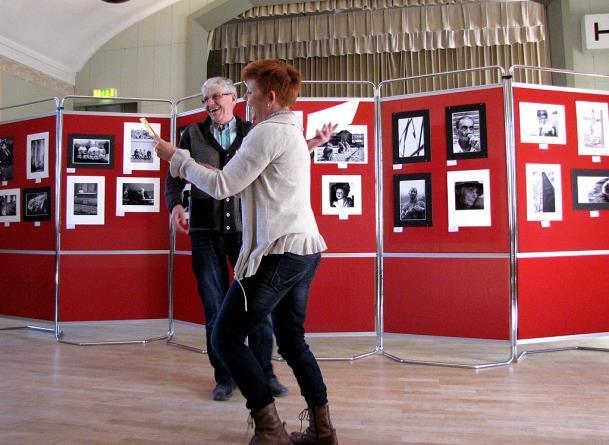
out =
column 389, row 43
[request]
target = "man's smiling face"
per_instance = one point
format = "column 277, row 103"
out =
column 219, row 104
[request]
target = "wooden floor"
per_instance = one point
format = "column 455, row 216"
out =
column 53, row 393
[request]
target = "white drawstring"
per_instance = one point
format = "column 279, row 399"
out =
column 244, row 295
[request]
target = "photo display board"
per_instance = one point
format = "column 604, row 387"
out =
column 445, row 194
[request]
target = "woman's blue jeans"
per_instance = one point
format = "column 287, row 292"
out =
column 280, row 287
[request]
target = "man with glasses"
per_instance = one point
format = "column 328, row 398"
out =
column 215, row 225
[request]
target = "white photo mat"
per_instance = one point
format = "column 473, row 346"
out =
column 95, row 200
column 143, row 144
column 147, row 204
column 531, row 126
column 38, row 143
column 544, row 192
column 592, row 128
column 479, row 217
column 356, row 153
column 10, row 205
column 329, row 183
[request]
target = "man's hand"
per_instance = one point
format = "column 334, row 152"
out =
column 178, row 219
column 164, row 149
column 322, row 136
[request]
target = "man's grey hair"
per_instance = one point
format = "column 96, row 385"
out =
column 223, row 82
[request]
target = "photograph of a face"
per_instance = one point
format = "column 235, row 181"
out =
column 542, row 123
column 469, row 203
column 348, row 145
column 85, row 200
column 7, row 161
column 37, row 156
column 36, row 204
column 412, row 206
column 138, row 148
column 90, row 151
column 592, row 128
column 341, row 195
column 137, row 195
column 410, row 131
column 590, row 189
column 544, row 192
column 466, row 132
column 9, row 205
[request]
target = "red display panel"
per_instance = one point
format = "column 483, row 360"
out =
column 28, row 286
column 133, row 231
column 25, row 235
column 113, row 287
column 437, row 238
column 562, row 296
column 577, row 230
column 454, row 297
column 187, row 305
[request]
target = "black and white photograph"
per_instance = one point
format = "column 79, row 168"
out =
column 9, row 205
column 411, row 137
column 347, row 145
column 36, row 204
column 592, row 128
column 469, row 203
column 544, row 192
column 7, row 160
column 466, row 131
column 590, row 189
column 90, row 151
column 85, row 200
column 542, row 123
column 37, row 156
column 341, row 195
column 137, row 195
column 138, row 149
column 412, row 205
column 186, row 191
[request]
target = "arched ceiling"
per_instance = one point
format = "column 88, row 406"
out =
column 57, row 37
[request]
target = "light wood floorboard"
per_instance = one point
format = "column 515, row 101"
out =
column 53, row 393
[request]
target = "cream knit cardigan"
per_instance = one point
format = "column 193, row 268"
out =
column 272, row 173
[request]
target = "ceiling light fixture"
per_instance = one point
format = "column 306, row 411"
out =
column 115, row 1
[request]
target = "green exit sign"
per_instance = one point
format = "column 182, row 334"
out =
column 105, row 92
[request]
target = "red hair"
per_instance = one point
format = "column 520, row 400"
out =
column 274, row 75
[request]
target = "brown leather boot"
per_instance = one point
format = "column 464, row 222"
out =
column 320, row 430
column 269, row 430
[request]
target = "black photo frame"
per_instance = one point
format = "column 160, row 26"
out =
column 407, row 213
column 590, row 189
column 87, row 151
column 411, row 137
column 458, row 145
column 36, row 204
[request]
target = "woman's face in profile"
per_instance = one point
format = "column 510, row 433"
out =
column 257, row 101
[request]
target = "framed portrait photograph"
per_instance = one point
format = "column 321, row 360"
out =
column 412, row 206
column 469, row 203
column 410, row 131
column 7, row 160
column 85, row 200
column 466, row 132
column 341, row 195
column 138, row 147
column 10, row 210
column 592, row 128
column 90, row 151
column 347, row 145
column 137, row 195
column 542, row 123
column 544, row 192
column 37, row 156
column 590, row 189
column 36, row 204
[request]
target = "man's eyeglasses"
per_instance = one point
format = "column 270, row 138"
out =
column 215, row 97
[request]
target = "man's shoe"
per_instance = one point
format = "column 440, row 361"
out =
column 277, row 389
column 222, row 392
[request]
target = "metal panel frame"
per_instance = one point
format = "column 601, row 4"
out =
column 512, row 217
column 59, row 335
column 511, row 71
column 55, row 328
